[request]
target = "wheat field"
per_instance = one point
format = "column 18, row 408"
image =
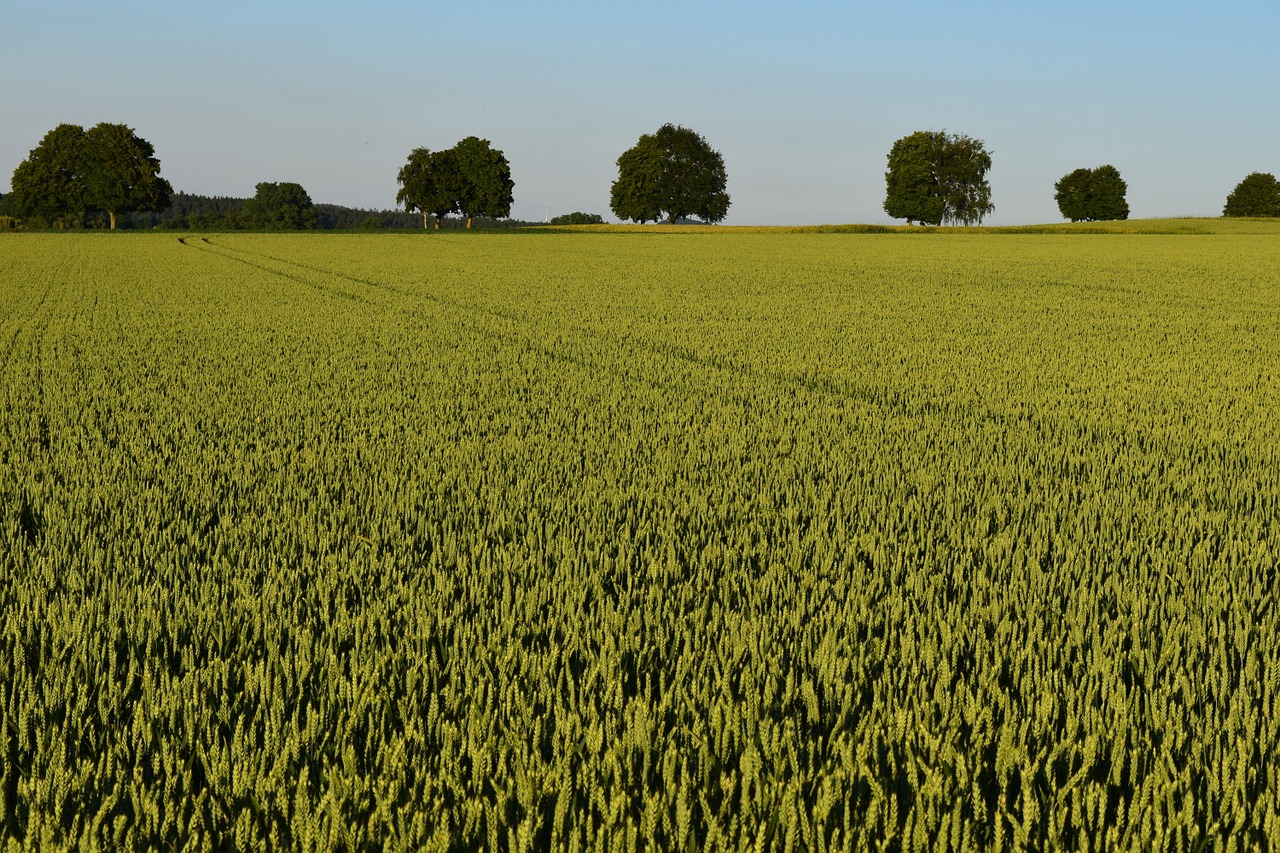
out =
column 641, row 539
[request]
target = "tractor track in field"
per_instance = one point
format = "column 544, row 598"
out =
column 225, row 253
column 743, row 384
column 377, row 285
column 519, row 329
column 521, row 333
column 30, row 322
column 23, row 390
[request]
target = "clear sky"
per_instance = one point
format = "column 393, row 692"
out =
column 804, row 100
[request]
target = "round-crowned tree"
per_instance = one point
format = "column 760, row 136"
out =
column 431, row 183
column 122, row 172
column 1256, row 195
column 672, row 173
column 49, row 184
column 284, row 206
column 1092, row 195
column 485, row 180
column 935, row 177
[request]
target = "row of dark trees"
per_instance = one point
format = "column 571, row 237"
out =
column 75, row 176
column 227, row 213
column 934, row 177
column 672, row 174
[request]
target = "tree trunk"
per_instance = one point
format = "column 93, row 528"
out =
column 426, row 220
column 468, row 221
column 112, row 214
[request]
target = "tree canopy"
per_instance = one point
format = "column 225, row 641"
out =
column 430, row 183
column 672, row 172
column 280, row 207
column 471, row 178
column 1092, row 195
column 49, row 184
column 72, row 171
column 1257, row 195
column 123, row 174
column 486, row 180
column 936, row 177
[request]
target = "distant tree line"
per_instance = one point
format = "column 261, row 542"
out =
column 226, row 213
column 577, row 218
column 8, row 217
column 223, row 213
column 109, row 177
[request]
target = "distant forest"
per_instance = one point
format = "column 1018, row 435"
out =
column 221, row 213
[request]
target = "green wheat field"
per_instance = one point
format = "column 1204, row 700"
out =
column 642, row 539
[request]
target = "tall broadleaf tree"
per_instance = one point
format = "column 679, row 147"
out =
column 935, row 177
column 965, row 190
column 431, row 183
column 673, row 172
column 486, row 183
column 912, row 186
column 121, row 172
column 49, row 184
column 472, row 178
column 637, row 194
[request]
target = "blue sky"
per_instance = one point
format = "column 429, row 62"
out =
column 803, row 100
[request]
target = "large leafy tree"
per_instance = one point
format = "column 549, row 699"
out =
column 935, row 177
column 121, row 172
column 1257, row 195
column 72, row 170
column 672, row 172
column 280, row 207
column 430, row 183
column 1091, row 195
column 1072, row 194
column 471, row 178
column 49, row 184
column 1108, row 191
column 913, row 189
column 486, row 183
